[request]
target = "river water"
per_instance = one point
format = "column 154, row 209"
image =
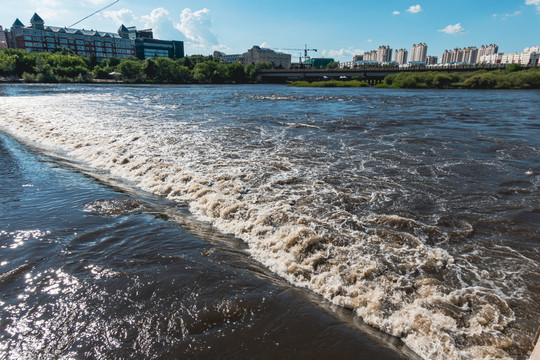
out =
column 268, row 222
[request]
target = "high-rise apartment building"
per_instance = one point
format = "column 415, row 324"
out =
column 370, row 56
column 431, row 60
column 419, row 53
column 529, row 57
column 467, row 55
column 488, row 50
column 384, row 54
column 400, row 56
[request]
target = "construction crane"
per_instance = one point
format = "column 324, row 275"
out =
column 94, row 13
column 305, row 50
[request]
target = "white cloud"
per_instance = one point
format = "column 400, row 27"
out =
column 49, row 3
column 453, row 29
column 264, row 44
column 415, row 9
column 515, row 13
column 162, row 24
column 396, row 12
column 342, row 54
column 506, row 16
column 51, row 15
column 369, row 40
column 196, row 26
column 122, row 16
column 98, row 2
column 535, row 3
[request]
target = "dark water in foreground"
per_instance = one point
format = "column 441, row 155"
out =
column 212, row 221
column 91, row 270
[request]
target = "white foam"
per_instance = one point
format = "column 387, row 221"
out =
column 293, row 222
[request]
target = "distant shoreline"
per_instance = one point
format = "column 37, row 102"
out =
column 508, row 79
column 511, row 78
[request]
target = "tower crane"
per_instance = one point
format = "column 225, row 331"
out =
column 305, row 50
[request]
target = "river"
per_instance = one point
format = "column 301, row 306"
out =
column 268, row 222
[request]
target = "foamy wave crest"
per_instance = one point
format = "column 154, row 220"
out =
column 295, row 219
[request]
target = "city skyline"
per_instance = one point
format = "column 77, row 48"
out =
column 340, row 30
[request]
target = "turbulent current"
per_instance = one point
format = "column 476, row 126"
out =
column 418, row 210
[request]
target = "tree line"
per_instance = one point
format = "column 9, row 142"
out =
column 64, row 66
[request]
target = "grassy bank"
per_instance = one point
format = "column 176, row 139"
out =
column 513, row 77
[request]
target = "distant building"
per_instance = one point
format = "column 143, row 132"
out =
column 419, row 53
column 146, row 47
column 257, row 55
column 3, row 38
column 346, row 64
column 228, row 59
column 261, row 55
column 370, row 56
column 431, row 60
column 318, row 63
column 400, row 56
column 490, row 58
column 358, row 58
column 40, row 38
column 382, row 55
column 487, row 50
column 529, row 56
column 467, row 55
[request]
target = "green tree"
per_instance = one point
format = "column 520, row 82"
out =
column 512, row 68
column 8, row 64
column 149, row 69
column 236, row 72
column 130, row 69
column 332, row 65
column 44, row 71
column 210, row 72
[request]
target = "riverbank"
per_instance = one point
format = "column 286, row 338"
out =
column 512, row 77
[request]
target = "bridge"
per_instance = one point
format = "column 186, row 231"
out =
column 371, row 74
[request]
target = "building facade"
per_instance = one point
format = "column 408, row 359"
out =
column 529, row 57
column 487, row 50
column 431, row 60
column 400, row 56
column 40, row 38
column 419, row 53
column 146, row 47
column 467, row 55
column 382, row 55
column 3, row 38
column 227, row 59
column 256, row 55
column 127, row 42
column 490, row 58
column 261, row 55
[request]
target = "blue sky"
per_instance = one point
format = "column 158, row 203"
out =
column 338, row 28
